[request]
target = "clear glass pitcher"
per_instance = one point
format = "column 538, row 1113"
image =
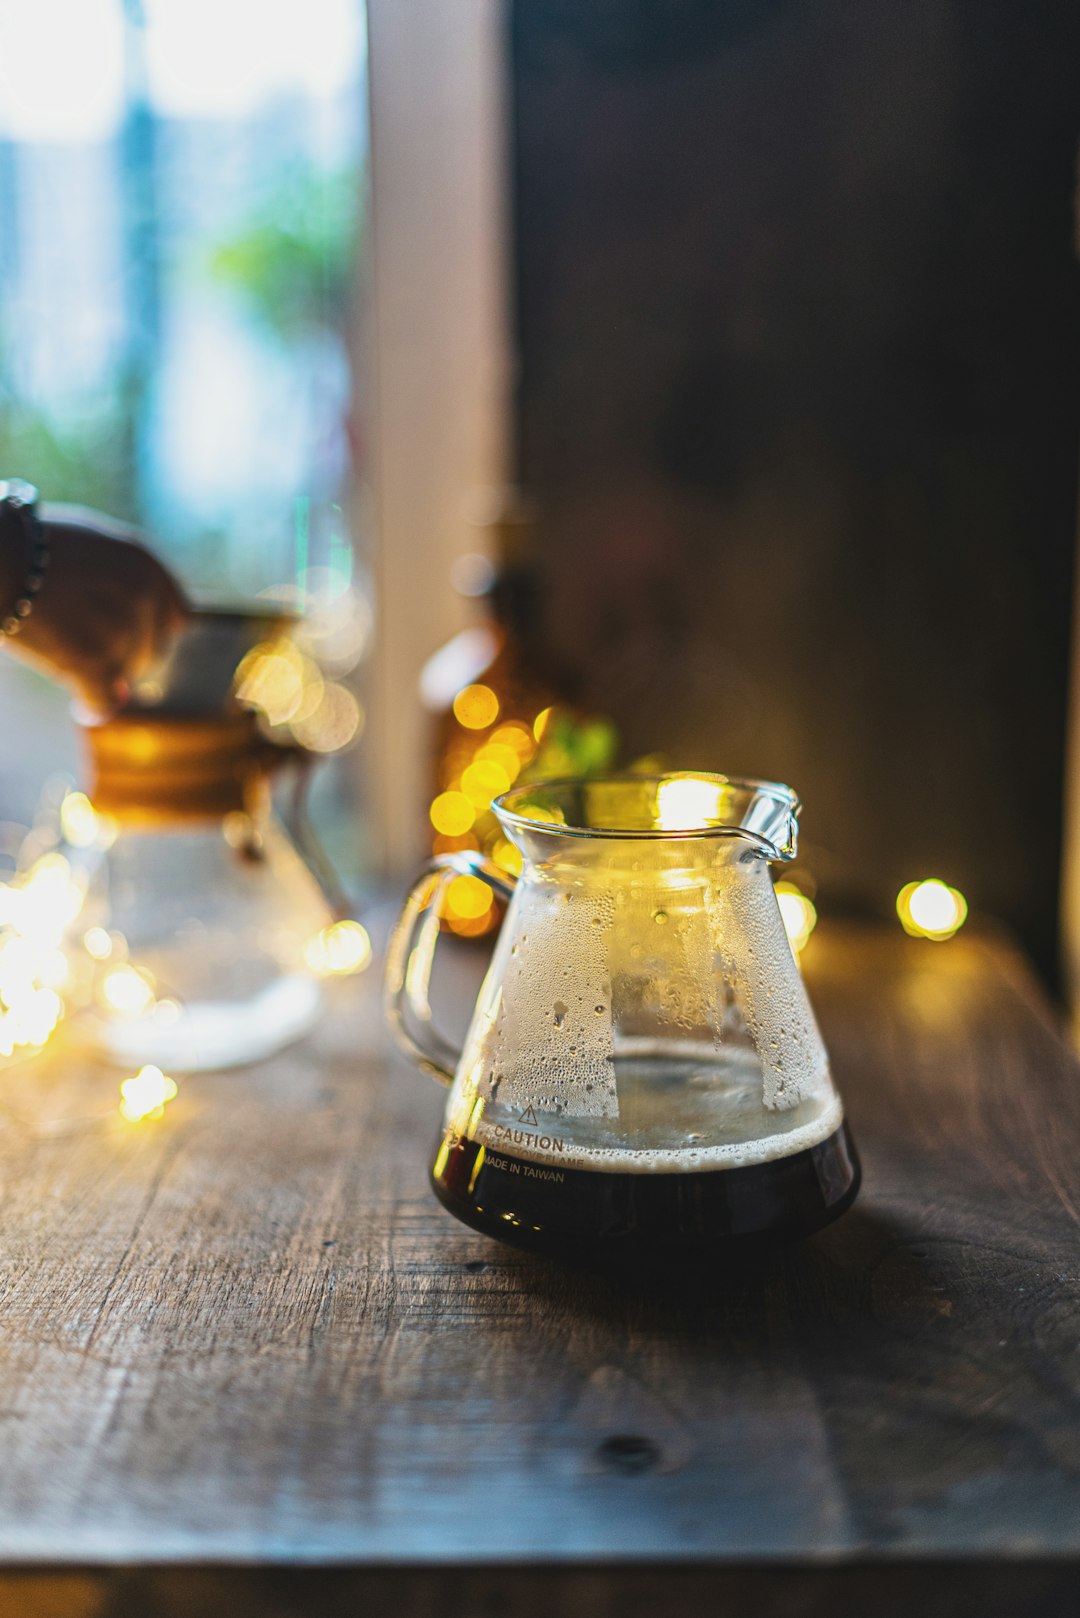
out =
column 643, row 1067
column 208, row 928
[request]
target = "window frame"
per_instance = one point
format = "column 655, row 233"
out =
column 433, row 346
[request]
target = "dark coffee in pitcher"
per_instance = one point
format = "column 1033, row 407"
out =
column 643, row 1072
column 566, row 1210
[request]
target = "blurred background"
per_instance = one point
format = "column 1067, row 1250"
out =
column 708, row 375
column 181, row 226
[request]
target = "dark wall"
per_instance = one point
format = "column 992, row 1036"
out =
column 799, row 394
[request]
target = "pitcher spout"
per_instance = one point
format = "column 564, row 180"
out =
column 771, row 819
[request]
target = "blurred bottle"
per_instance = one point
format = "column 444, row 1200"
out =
column 502, row 712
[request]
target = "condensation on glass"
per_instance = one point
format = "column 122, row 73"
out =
column 643, row 1040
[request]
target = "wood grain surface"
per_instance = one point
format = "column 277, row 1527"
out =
column 246, row 1334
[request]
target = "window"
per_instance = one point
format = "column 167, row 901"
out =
column 177, row 240
column 179, row 233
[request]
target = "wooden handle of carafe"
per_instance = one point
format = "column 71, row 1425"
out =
column 411, row 955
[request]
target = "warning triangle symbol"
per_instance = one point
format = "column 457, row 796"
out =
column 528, row 1117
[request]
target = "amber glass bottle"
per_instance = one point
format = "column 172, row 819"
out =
column 501, row 712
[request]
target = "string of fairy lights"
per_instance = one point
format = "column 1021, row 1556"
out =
column 55, row 961
column 492, row 749
column 481, row 761
column 51, row 961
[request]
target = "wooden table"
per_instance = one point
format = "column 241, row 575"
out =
column 247, row 1364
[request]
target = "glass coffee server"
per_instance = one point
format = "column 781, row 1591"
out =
column 643, row 1070
column 206, row 929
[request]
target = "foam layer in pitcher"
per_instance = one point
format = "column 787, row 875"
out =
column 553, row 1146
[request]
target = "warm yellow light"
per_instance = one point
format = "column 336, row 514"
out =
column 271, row 678
column 688, row 804
column 468, row 898
column 31, row 1015
column 45, row 901
column 30, row 1007
column 452, row 814
column 798, row 914
column 473, row 927
column 311, row 695
column 78, row 821
column 51, row 968
column 146, row 1095
column 97, row 943
column 483, row 781
column 453, row 845
column 931, row 909
column 127, row 991
column 35, row 912
column 517, row 736
column 541, row 722
column 49, row 874
column 507, row 857
column 336, row 721
column 338, row 950
column 504, row 757
column 476, row 707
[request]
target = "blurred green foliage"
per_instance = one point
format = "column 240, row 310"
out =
column 294, row 261
column 574, row 746
column 291, row 264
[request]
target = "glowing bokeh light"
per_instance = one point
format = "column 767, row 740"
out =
column 78, row 821
column 452, row 814
column 43, row 901
column 441, row 844
column 127, row 991
column 518, row 737
column 36, row 908
column 336, row 720
column 146, row 1095
column 30, row 1007
column 311, row 695
column 505, row 758
column 798, row 913
column 339, row 950
column 476, row 707
column 271, row 679
column 97, row 943
column 688, row 805
column 931, row 909
column 468, row 897
column 540, row 723
column 337, row 621
column 483, row 781
column 507, row 857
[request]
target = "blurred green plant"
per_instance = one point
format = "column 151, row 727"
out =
column 293, row 262
column 574, row 746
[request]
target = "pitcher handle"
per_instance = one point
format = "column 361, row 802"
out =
column 411, row 955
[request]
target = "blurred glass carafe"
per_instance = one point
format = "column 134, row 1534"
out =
column 643, row 1070
column 201, row 914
